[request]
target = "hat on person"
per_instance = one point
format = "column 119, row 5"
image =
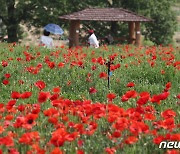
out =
column 90, row 31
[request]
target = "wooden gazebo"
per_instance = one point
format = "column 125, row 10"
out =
column 105, row 14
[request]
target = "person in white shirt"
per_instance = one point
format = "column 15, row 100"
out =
column 45, row 40
column 92, row 40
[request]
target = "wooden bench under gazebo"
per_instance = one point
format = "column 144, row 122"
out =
column 105, row 14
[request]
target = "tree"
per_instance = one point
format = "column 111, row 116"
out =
column 41, row 12
column 162, row 29
column 33, row 12
column 12, row 12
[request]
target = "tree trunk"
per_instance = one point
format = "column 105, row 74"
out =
column 12, row 24
column 12, row 33
column 114, row 28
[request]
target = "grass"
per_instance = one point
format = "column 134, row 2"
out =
column 143, row 66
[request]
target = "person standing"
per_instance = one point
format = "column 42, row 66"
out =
column 46, row 40
column 92, row 40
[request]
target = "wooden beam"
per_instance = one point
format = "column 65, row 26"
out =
column 131, row 26
column 74, row 33
column 138, row 34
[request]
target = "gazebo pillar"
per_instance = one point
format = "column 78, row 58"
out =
column 131, row 26
column 138, row 34
column 74, row 33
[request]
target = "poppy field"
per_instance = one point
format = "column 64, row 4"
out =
column 58, row 101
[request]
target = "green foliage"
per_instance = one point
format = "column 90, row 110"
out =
column 162, row 29
column 147, row 43
column 41, row 12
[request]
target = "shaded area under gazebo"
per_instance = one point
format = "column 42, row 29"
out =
column 105, row 14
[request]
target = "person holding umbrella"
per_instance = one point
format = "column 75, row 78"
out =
column 46, row 40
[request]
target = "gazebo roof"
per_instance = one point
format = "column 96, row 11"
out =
column 105, row 14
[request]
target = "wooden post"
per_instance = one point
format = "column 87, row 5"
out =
column 131, row 26
column 74, row 33
column 138, row 34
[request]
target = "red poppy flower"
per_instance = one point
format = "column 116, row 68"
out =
column 117, row 66
column 43, row 96
column 93, row 60
column 7, row 75
column 54, row 96
column 103, row 75
column 112, row 67
column 131, row 94
column 10, row 104
column 158, row 98
column 1, row 129
column 20, row 120
column 163, row 72
column 21, row 108
column 9, row 117
column 36, row 109
column 50, row 112
column 121, row 124
column 15, row 95
column 155, row 99
column 178, row 96
column 7, row 141
column 168, row 85
column 51, row 65
column 174, row 151
column 124, row 98
column 79, row 151
column 21, row 82
column 57, row 102
column 101, row 61
column 92, row 90
column 56, row 150
column 4, row 63
column 80, row 63
column 110, row 150
column 116, row 134
column 169, row 113
column 56, row 90
column 131, row 140
column 18, row 59
column 71, row 136
column 36, row 149
column 80, row 143
column 5, row 82
column 40, row 84
column 29, row 138
column 130, row 84
column 26, row 95
column 144, row 97
column 30, row 118
column 13, row 151
column 53, row 120
column 158, row 139
column 39, row 65
column 111, row 96
column 168, row 124
column 163, row 95
column 93, row 68
column 149, row 116
column 58, row 137
column 126, row 65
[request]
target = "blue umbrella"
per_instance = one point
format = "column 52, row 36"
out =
column 54, row 29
